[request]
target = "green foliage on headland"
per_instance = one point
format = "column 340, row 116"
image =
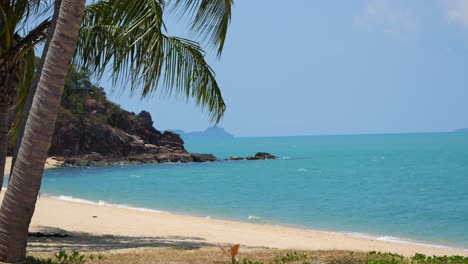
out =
column 80, row 94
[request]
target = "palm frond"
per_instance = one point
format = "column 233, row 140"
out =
column 210, row 18
column 127, row 37
column 29, row 67
column 186, row 69
column 24, row 12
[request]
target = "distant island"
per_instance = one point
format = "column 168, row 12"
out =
column 209, row 133
column 461, row 130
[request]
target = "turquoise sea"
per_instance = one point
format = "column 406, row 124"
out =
column 405, row 187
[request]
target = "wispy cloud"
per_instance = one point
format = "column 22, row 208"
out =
column 385, row 16
column 457, row 11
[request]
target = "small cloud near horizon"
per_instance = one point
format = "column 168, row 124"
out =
column 394, row 21
column 457, row 11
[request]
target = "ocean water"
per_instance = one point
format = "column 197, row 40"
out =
column 406, row 187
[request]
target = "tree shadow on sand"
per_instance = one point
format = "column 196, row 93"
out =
column 86, row 242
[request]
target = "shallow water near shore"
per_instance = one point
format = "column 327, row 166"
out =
column 410, row 187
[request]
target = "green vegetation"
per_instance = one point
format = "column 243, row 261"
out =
column 372, row 257
column 66, row 258
column 368, row 258
column 79, row 92
column 256, row 256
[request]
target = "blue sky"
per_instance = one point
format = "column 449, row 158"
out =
column 333, row 67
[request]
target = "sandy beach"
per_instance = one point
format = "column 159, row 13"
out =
column 93, row 222
column 137, row 228
column 50, row 163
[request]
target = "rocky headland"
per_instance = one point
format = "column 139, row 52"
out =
column 91, row 130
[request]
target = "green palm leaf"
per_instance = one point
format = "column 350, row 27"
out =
column 127, row 37
column 210, row 18
column 29, row 68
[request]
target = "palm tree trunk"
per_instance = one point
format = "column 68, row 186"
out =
column 32, row 89
column 20, row 198
column 7, row 93
column 4, row 115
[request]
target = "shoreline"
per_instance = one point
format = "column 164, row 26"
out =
column 103, row 219
column 384, row 238
column 372, row 237
column 214, row 230
column 51, row 163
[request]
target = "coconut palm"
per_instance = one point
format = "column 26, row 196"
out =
column 131, row 33
column 17, row 57
column 20, row 198
column 128, row 35
column 28, row 94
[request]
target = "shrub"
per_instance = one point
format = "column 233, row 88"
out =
column 62, row 257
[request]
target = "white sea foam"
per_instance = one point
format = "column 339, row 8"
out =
column 400, row 240
column 286, row 158
column 302, row 170
column 251, row 217
column 375, row 159
column 103, row 203
column 134, row 176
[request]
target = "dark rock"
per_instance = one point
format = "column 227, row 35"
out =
column 262, row 156
column 235, row 158
column 87, row 160
column 145, row 119
column 258, row 156
column 203, row 157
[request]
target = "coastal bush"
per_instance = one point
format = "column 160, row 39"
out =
column 62, row 257
column 232, row 252
column 264, row 256
column 420, row 258
column 391, row 258
column 372, row 257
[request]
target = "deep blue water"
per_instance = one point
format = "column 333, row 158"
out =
column 407, row 186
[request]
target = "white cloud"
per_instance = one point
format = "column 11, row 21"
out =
column 385, row 16
column 457, row 11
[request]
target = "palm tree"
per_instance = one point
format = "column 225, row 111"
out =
column 118, row 23
column 128, row 35
column 20, row 198
column 16, row 57
column 28, row 94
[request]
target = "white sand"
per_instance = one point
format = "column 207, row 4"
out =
column 78, row 217
column 50, row 163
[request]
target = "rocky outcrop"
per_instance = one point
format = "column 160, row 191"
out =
column 96, row 159
column 235, row 158
column 91, row 130
column 257, row 156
